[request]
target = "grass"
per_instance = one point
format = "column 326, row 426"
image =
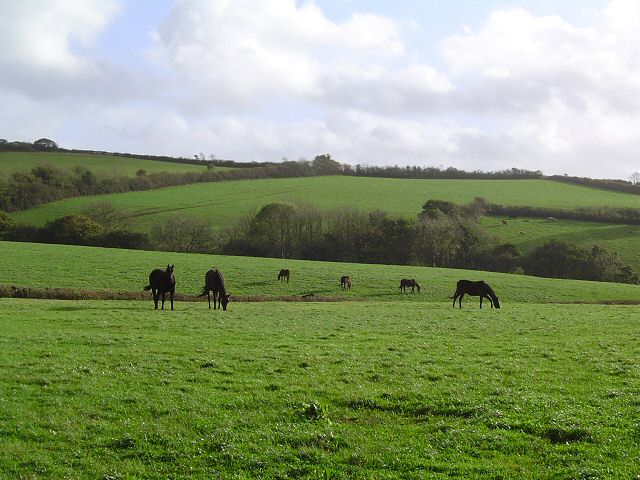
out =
column 91, row 268
column 11, row 162
column 224, row 202
column 623, row 239
column 113, row 390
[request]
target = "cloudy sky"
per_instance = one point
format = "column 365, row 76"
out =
column 476, row 84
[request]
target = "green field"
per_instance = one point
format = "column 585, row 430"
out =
column 115, row 390
column 529, row 233
column 224, row 202
column 11, row 162
column 90, row 268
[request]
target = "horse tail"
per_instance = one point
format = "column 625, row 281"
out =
column 147, row 288
column 204, row 291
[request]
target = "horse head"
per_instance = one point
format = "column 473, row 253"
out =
column 224, row 300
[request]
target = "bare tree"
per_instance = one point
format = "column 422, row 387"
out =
column 635, row 178
column 106, row 214
column 180, row 233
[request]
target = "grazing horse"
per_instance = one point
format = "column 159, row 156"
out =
column 409, row 282
column 214, row 282
column 476, row 289
column 284, row 275
column 345, row 282
column 161, row 282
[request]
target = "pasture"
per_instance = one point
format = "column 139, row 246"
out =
column 622, row 239
column 11, row 162
column 225, row 202
column 324, row 390
column 92, row 268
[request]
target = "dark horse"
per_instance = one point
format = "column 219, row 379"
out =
column 345, row 281
column 409, row 282
column 476, row 289
column 284, row 275
column 214, row 282
column 161, row 282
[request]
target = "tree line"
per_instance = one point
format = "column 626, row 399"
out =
column 616, row 215
column 623, row 186
column 443, row 235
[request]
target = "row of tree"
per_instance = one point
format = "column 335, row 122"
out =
column 632, row 186
column 444, row 235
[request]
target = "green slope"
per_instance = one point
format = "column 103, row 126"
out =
column 11, row 162
column 223, row 202
column 41, row 265
column 115, row 390
column 528, row 233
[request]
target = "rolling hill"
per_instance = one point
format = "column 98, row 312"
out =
column 91, row 268
column 224, row 202
column 11, row 162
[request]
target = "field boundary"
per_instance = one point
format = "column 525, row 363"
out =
column 12, row 291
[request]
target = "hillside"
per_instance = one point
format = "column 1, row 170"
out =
column 528, row 233
column 90, row 268
column 11, row 162
column 224, row 202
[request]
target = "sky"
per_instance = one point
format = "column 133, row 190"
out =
column 472, row 84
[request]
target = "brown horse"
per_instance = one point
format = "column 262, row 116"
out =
column 214, row 282
column 284, row 275
column 161, row 282
column 409, row 282
column 476, row 289
column 345, row 282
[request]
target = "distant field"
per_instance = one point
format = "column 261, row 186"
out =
column 623, row 239
column 66, row 266
column 224, row 202
column 114, row 390
column 11, row 162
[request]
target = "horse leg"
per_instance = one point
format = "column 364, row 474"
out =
column 215, row 297
column 481, row 297
column 171, row 297
column 209, row 298
column 455, row 297
column 155, row 297
column 163, row 294
column 460, row 300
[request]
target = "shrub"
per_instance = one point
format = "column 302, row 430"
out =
column 6, row 223
column 124, row 238
column 73, row 230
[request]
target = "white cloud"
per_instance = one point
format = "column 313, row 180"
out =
column 41, row 34
column 245, row 52
column 263, row 79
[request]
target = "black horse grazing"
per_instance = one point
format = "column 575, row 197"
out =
column 345, row 281
column 161, row 282
column 409, row 282
column 214, row 282
column 476, row 289
column 284, row 275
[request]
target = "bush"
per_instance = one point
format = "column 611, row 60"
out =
column 6, row 223
column 124, row 238
column 73, row 230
